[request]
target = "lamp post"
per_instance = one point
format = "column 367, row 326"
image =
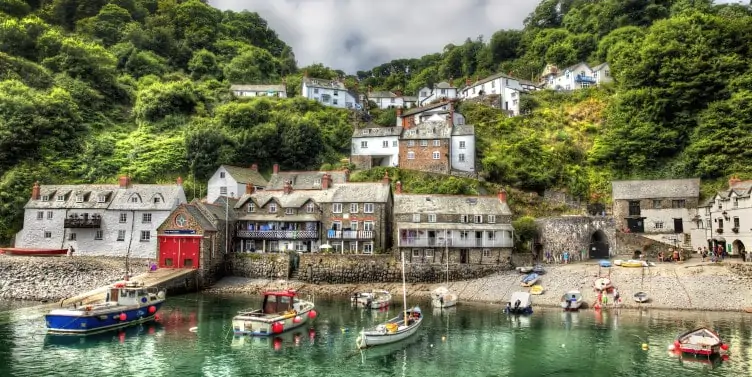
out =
column 227, row 222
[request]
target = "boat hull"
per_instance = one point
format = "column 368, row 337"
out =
column 371, row 339
column 81, row 322
column 33, row 252
column 447, row 303
column 641, row 297
column 368, row 301
column 262, row 326
column 519, row 311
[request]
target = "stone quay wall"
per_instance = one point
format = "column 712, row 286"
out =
column 255, row 265
column 575, row 234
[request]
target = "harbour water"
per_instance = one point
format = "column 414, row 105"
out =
column 469, row 340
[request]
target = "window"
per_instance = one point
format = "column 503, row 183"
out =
column 656, row 204
column 736, row 222
column 424, row 143
column 436, row 155
column 251, row 207
column 491, row 219
column 336, row 225
column 736, row 202
column 146, row 218
column 40, row 215
column 353, row 207
column 335, row 101
column 49, row 215
column 336, row 207
column 103, row 198
column 463, row 218
column 461, row 157
column 443, row 91
column 411, row 155
column 707, row 223
column 432, row 218
column 385, row 144
column 678, row 203
column 317, row 182
column 394, row 144
column 354, row 225
column 437, row 143
column 364, row 144
column 79, row 198
column 658, row 225
column 707, row 210
column 289, row 211
column 416, row 217
column 368, row 248
column 61, row 198
column 223, row 191
column 272, row 207
column 98, row 235
column 336, row 93
column 429, row 253
column 315, row 90
column 607, row 73
column 368, row 208
column 134, row 199
column 47, row 234
column 478, row 219
column 486, row 253
column 464, row 235
column 720, row 223
column 157, row 199
column 72, row 237
column 491, row 235
column 424, row 94
column 145, row 236
column 368, row 226
column 121, row 235
column 123, row 217
column 45, row 198
column 462, row 144
column 411, row 143
column 221, row 174
column 310, row 208
column 634, row 208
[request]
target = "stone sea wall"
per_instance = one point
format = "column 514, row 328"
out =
column 575, row 233
column 57, row 278
column 254, row 265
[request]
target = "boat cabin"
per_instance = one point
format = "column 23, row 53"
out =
column 130, row 293
column 279, row 302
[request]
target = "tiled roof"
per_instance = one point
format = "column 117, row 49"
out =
column 381, row 95
column 322, row 83
column 91, row 196
column 377, row 132
column 421, row 109
column 368, row 192
column 463, row 130
column 246, row 175
column 599, row 67
column 431, row 129
column 649, row 189
column 491, row 78
column 258, row 88
column 443, row 85
column 196, row 213
column 450, row 204
column 170, row 196
column 117, row 198
column 304, row 180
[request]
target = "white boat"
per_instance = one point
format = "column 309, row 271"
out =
column 571, row 301
column 395, row 329
column 375, row 299
column 519, row 303
column 282, row 311
column 442, row 297
column 641, row 297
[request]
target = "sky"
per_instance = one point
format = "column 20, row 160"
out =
column 354, row 35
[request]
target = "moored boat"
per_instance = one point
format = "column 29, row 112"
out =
column 525, row 269
column 641, row 297
column 530, row 280
column 701, row 341
column 519, row 303
column 538, row 269
column 571, row 301
column 374, row 299
column 634, row 263
column 602, row 284
column 127, row 303
column 441, row 297
column 537, row 290
column 32, row 252
column 281, row 311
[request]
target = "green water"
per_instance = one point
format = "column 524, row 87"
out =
column 469, row 340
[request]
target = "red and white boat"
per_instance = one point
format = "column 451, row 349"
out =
column 702, row 341
column 281, row 311
column 32, row 252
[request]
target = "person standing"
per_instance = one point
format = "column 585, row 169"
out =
column 566, row 257
column 70, row 250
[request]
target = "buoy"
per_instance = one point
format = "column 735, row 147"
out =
column 724, row 347
column 193, row 329
column 671, row 347
column 123, row 317
column 563, row 345
column 277, row 327
column 644, row 346
column 152, row 309
column 297, row 319
column 677, row 345
column 443, row 339
column 312, row 314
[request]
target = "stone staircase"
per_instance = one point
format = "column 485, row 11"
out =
column 294, row 275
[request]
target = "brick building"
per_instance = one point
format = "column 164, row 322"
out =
column 426, row 146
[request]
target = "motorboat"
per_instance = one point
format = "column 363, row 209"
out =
column 374, row 299
column 701, row 341
column 538, row 269
column 525, row 269
column 530, row 280
column 519, row 303
column 634, row 263
column 602, row 284
column 30, row 252
column 126, row 303
column 641, row 297
column 441, row 297
column 571, row 301
column 281, row 311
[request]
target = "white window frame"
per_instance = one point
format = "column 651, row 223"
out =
column 102, row 198
column 368, row 248
column 463, row 218
column 99, row 235
column 251, row 208
column 658, row 225
column 61, row 198
column 45, row 198
column 354, row 225
column 363, row 144
column 49, row 215
column 47, row 234
column 416, row 217
column 491, row 235
column 424, row 143
column 410, row 155
column 432, row 218
column 461, row 157
column 486, row 253
column 385, row 143
column 368, row 208
column 289, row 211
column 40, row 215
column 79, row 198
column 416, row 253
column 354, row 207
column 123, row 218
column 491, row 219
column 395, row 144
column 462, row 144
column 145, row 236
column 436, row 155
column 411, row 143
column 223, row 191
column 437, row 143
column 121, row 235
column 478, row 219
column 146, row 218
column 317, row 182
column 368, row 226
column 336, row 207
column 310, row 208
column 272, row 207
column 221, row 174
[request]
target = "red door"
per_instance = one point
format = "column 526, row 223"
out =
column 179, row 252
column 168, row 252
column 189, row 252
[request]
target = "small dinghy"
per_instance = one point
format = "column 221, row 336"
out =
column 538, row 269
column 641, row 297
column 525, row 269
column 374, row 299
column 605, row 263
column 702, row 341
column 634, row 263
column 530, row 280
column 571, row 301
column 537, row 290
column 601, row 284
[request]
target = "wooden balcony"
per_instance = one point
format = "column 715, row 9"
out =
column 279, row 234
column 83, row 222
column 350, row 234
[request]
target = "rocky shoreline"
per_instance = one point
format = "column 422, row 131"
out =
column 56, row 278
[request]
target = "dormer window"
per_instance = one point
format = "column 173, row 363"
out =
column 310, row 208
column 416, row 217
column 45, row 198
column 272, row 207
column 134, row 199
column 317, row 182
column 221, row 174
column 251, row 207
column 101, row 198
column 289, row 211
column 157, row 200
column 61, row 198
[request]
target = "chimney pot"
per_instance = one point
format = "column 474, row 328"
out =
column 503, row 196
column 254, row 167
column 275, row 169
column 124, row 182
column 399, row 111
column 468, row 82
column 288, row 187
column 326, row 181
column 249, row 189
column 36, row 193
column 180, row 181
column 398, row 187
column 733, row 181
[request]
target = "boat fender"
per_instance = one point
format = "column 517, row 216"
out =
column 152, row 309
column 193, row 329
column 312, row 314
column 123, row 317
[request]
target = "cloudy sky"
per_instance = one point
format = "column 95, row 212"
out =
column 359, row 34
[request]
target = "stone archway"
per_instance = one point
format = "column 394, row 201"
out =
column 737, row 247
column 599, row 248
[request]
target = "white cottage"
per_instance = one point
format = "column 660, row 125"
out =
column 329, row 92
column 386, row 100
column 726, row 220
column 506, row 87
column 441, row 92
column 259, row 90
column 232, row 180
column 375, row 146
column 462, row 148
column 112, row 220
column 578, row 76
column 419, row 115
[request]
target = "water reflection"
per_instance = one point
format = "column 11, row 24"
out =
column 103, row 339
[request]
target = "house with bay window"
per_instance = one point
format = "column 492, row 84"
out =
column 466, row 229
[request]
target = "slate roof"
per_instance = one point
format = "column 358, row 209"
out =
column 304, row 180
column 382, row 95
column 217, row 209
column 463, row 130
column 654, row 189
column 598, row 67
column 491, row 78
column 430, row 129
column 246, row 175
column 258, row 88
column 360, row 192
column 450, row 204
column 377, row 132
column 322, row 83
column 117, row 198
column 410, row 98
column 421, row 109
column 199, row 216
column 444, row 85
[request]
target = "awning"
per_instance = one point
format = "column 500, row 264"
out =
column 279, row 218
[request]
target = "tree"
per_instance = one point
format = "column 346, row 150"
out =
column 203, row 64
column 525, row 231
column 252, row 66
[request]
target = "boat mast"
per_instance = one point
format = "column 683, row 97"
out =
column 404, row 284
column 446, row 252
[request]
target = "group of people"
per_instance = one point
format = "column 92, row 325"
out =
column 566, row 257
column 716, row 254
column 673, row 255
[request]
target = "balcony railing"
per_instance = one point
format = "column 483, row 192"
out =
column 279, row 234
column 461, row 243
column 350, row 234
column 583, row 78
column 81, row 222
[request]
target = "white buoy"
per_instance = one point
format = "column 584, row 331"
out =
column 193, row 329
column 671, row 347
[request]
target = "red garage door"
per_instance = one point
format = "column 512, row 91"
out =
column 179, row 252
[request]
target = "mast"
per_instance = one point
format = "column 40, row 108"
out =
column 446, row 253
column 404, row 285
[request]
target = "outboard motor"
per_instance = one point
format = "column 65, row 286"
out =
column 517, row 304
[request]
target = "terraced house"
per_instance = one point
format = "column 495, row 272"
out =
column 311, row 213
column 473, row 229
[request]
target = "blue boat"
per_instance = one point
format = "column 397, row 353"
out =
column 530, row 280
column 127, row 303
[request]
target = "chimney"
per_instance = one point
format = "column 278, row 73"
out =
column 468, row 82
column 326, row 181
column 398, row 187
column 734, row 180
column 249, row 189
column 124, row 182
column 36, row 193
column 503, row 196
column 254, row 167
column 398, row 93
column 398, row 113
column 305, row 73
column 275, row 169
column 347, row 174
column 451, row 82
column 288, row 187
column 180, row 181
column 386, row 177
